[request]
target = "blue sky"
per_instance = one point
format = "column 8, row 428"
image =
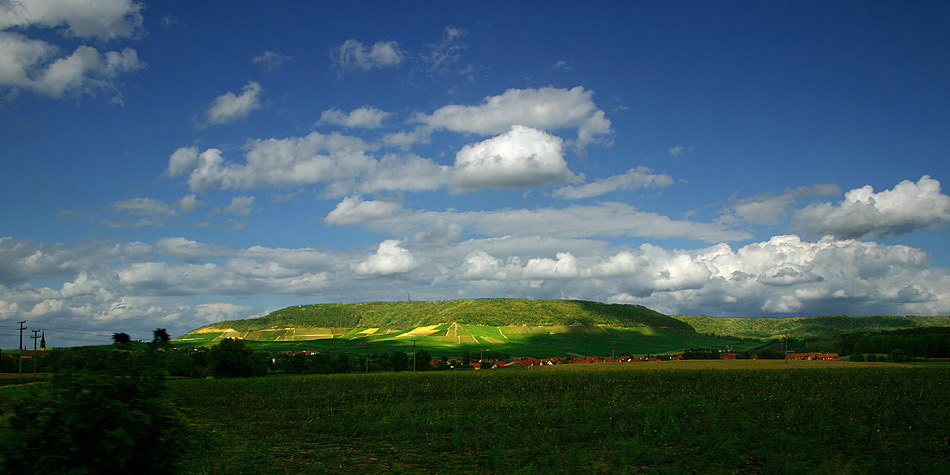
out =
column 173, row 164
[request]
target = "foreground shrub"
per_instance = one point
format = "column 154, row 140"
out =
column 86, row 423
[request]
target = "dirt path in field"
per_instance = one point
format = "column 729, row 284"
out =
column 454, row 329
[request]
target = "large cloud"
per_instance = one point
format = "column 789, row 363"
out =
column 907, row 208
column 315, row 158
column 99, row 19
column 522, row 157
column 546, row 108
column 343, row 163
column 37, row 66
column 782, row 276
column 40, row 66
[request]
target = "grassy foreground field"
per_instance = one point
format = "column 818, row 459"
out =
column 621, row 419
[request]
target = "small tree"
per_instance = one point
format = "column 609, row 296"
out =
column 423, row 360
column 233, row 359
column 898, row 356
column 161, row 336
column 121, row 338
column 399, row 360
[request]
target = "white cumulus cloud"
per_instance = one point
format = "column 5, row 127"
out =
column 37, row 66
column 353, row 210
column 782, row 276
column 906, row 208
column 230, row 107
column 315, row 158
column 390, row 258
column 546, row 108
column 520, row 158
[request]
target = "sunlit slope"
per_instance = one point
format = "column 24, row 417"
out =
column 805, row 327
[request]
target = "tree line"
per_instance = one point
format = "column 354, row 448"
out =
column 919, row 342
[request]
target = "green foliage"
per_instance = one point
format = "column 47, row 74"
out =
column 132, row 357
column 233, row 359
column 804, row 327
column 86, row 423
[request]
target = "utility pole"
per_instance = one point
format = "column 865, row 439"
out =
column 20, row 355
column 34, row 337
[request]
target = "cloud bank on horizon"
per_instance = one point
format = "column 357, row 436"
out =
column 163, row 171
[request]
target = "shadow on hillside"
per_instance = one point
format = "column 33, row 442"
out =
column 642, row 315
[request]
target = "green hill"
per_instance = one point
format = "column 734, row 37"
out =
column 492, row 312
column 805, row 328
column 524, row 327
column 535, row 327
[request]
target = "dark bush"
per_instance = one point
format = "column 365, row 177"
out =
column 87, row 423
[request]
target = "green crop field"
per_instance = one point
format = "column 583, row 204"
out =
column 848, row 420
